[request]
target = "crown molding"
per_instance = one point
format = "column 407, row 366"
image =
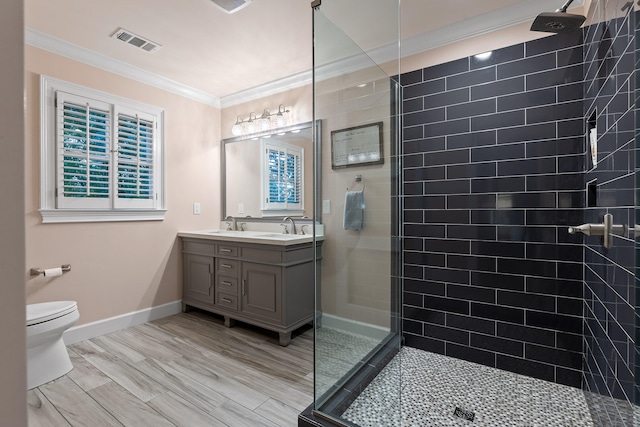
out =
column 277, row 86
column 515, row 14
column 98, row 60
column 323, row 72
column 486, row 23
column 496, row 20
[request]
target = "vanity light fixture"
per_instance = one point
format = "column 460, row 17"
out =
column 267, row 121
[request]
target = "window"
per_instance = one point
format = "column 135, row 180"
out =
column 101, row 156
column 282, row 178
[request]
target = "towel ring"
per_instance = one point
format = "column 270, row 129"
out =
column 358, row 179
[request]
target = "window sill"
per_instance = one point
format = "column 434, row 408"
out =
column 275, row 212
column 50, row 216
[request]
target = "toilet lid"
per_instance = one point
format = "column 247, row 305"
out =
column 45, row 311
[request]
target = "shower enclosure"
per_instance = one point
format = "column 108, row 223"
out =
column 459, row 296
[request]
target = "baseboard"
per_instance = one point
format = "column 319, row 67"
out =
column 112, row 324
column 354, row 327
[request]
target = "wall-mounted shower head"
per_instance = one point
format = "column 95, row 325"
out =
column 559, row 21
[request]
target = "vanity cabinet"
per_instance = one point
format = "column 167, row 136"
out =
column 199, row 270
column 262, row 291
column 270, row 286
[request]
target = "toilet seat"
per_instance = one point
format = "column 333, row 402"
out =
column 46, row 311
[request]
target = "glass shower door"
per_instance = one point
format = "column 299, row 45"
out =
column 357, row 305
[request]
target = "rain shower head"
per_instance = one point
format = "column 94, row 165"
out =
column 559, row 21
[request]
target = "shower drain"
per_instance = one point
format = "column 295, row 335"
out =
column 464, row 414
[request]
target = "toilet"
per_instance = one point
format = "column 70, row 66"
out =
column 47, row 357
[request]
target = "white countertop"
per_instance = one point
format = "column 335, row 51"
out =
column 261, row 237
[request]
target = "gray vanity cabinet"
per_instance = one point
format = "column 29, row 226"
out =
column 262, row 291
column 199, row 287
column 266, row 285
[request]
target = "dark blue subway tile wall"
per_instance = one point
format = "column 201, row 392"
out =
column 493, row 175
column 496, row 161
column 609, row 274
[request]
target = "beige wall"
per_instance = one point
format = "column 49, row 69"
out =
column 356, row 264
column 121, row 267
column 13, row 377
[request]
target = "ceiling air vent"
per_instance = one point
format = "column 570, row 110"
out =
column 135, row 40
column 231, row 6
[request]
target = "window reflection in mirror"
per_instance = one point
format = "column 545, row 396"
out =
column 268, row 175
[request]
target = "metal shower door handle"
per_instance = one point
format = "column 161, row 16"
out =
column 606, row 229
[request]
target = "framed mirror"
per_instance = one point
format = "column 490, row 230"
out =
column 266, row 175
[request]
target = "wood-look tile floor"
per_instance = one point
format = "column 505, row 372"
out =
column 183, row 370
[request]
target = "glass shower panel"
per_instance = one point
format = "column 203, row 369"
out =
column 508, row 318
column 357, row 303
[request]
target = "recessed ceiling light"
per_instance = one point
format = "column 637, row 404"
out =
column 483, row 56
column 231, row 6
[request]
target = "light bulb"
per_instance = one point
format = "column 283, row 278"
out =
column 280, row 119
column 236, row 129
column 264, row 122
column 250, row 125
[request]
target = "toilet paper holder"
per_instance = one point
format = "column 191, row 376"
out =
column 38, row 271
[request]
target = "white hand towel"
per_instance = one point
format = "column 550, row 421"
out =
column 354, row 210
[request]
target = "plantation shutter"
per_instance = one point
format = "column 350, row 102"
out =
column 83, row 128
column 283, row 177
column 135, row 172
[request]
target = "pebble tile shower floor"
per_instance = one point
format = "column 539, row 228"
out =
column 433, row 386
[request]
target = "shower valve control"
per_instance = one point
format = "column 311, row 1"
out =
column 606, row 229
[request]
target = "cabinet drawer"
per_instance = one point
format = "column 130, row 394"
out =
column 227, row 284
column 199, row 248
column 262, row 255
column 227, row 266
column 228, row 301
column 226, row 250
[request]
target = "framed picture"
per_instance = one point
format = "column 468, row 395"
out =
column 357, row 146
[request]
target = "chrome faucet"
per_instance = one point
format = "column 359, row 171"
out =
column 293, row 225
column 231, row 225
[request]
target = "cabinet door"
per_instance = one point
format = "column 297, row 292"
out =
column 198, row 278
column 262, row 291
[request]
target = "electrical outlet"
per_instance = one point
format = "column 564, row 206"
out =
column 326, row 206
column 196, row 208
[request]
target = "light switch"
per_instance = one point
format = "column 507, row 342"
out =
column 196, row 208
column 326, row 206
column 240, row 208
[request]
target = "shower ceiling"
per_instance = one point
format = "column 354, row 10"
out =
column 221, row 54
